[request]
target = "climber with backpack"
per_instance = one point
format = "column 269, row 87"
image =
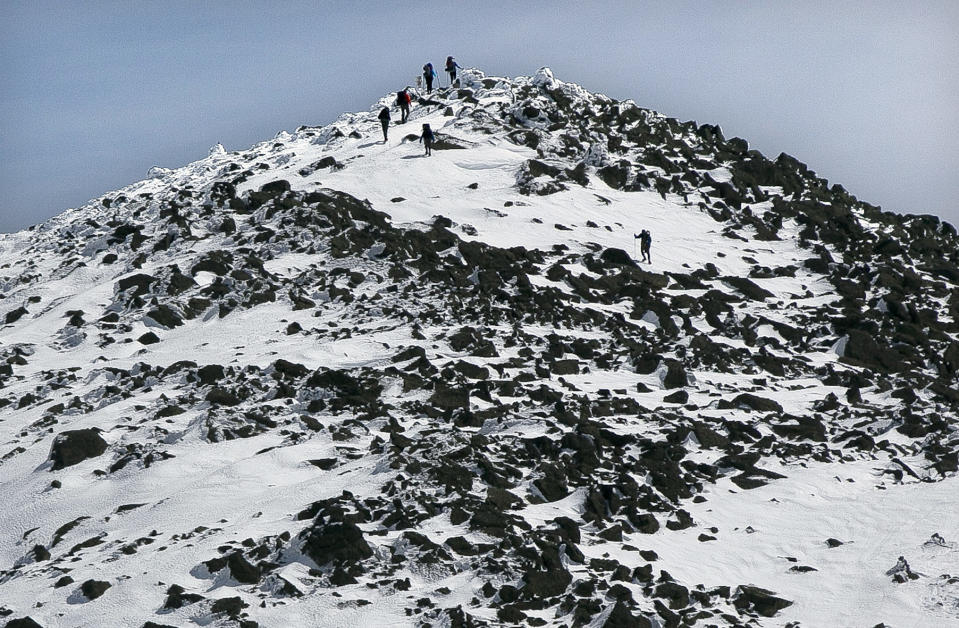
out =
column 645, row 240
column 451, row 67
column 427, row 139
column 428, row 75
column 403, row 100
column 385, row 121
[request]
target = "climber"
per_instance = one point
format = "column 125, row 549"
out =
column 385, row 121
column 427, row 139
column 645, row 240
column 428, row 75
column 403, row 100
column 451, row 67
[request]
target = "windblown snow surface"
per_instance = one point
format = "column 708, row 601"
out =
column 330, row 381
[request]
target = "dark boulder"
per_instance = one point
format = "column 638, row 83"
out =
column 75, row 446
column 622, row 617
column 615, row 176
column 166, row 316
column 148, row 338
column 543, row 584
column 292, row 370
column 564, row 367
column 92, row 589
column 677, row 594
column 755, row 402
column 222, row 397
column 861, row 349
column 230, row 606
column 675, row 376
column 276, row 187
column 335, row 539
column 616, row 257
column 645, row 523
column 450, row 397
column 210, row 374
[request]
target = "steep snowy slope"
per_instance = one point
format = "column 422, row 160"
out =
column 330, row 381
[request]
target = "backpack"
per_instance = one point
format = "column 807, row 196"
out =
column 385, row 113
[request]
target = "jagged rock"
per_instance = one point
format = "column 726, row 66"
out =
column 14, row 315
column 242, row 570
column 680, row 396
column 622, row 617
column 759, row 600
column 177, row 597
column 140, row 283
column 615, row 176
column 748, row 288
column 901, row 572
column 23, row 622
column 74, row 446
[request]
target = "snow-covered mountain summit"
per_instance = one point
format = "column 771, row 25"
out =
column 330, row 381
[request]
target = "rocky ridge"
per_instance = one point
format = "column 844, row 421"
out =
column 524, row 420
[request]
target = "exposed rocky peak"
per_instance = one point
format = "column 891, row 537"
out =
column 315, row 375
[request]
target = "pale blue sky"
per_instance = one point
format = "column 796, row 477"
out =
column 92, row 94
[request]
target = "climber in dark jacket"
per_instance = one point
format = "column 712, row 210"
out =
column 645, row 240
column 428, row 75
column 403, row 100
column 427, row 139
column 385, row 121
column 451, row 67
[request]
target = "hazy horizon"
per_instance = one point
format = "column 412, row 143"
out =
column 93, row 95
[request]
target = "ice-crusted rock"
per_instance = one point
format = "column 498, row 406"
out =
column 901, row 573
column 158, row 172
column 544, row 78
